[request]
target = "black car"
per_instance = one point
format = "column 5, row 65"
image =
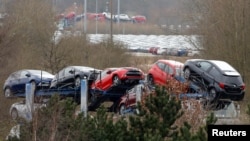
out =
column 71, row 76
column 16, row 82
column 219, row 78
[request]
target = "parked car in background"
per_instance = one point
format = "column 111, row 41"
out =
column 96, row 17
column 153, row 50
column 122, row 17
column 71, row 76
column 162, row 71
column 195, row 53
column 221, row 80
column 117, row 76
column 162, row 51
column 15, row 84
column 139, row 19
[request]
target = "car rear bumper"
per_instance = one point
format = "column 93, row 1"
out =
column 232, row 96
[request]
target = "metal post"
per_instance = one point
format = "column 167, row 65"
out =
column 84, row 97
column 118, row 11
column 29, row 100
column 96, row 16
column 111, row 22
column 85, row 17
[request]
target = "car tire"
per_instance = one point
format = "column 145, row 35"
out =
column 116, row 80
column 187, row 73
column 14, row 114
column 77, row 82
column 122, row 109
column 212, row 95
column 150, row 80
column 8, row 93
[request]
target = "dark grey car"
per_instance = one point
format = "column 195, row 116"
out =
column 219, row 78
column 71, row 76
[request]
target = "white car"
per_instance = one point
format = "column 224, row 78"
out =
column 123, row 17
column 162, row 51
column 20, row 110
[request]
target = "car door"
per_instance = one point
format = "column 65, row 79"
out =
column 131, row 97
column 159, row 73
column 60, row 78
column 23, row 79
column 13, row 81
column 104, row 80
column 69, row 76
column 169, row 72
column 204, row 68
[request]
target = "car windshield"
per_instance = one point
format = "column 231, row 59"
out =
column 235, row 79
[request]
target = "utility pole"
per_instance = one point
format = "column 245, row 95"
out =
column 111, row 21
column 118, row 11
column 96, row 20
column 85, row 17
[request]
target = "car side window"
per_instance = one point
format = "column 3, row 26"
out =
column 205, row 66
column 67, row 71
column 161, row 66
column 214, row 72
column 14, row 76
column 169, row 70
column 23, row 74
column 61, row 73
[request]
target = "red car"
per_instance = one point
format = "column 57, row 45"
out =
column 153, row 50
column 127, row 103
column 162, row 71
column 139, row 19
column 117, row 76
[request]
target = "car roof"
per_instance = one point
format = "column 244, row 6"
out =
column 172, row 62
column 116, row 68
column 83, row 67
column 34, row 71
column 225, row 67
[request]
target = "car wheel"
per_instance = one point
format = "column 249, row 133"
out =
column 116, row 80
column 7, row 92
column 122, row 110
column 150, row 80
column 77, row 82
column 212, row 95
column 14, row 114
column 187, row 73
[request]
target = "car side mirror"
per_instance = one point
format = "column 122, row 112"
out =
column 28, row 75
column 198, row 65
column 72, row 71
